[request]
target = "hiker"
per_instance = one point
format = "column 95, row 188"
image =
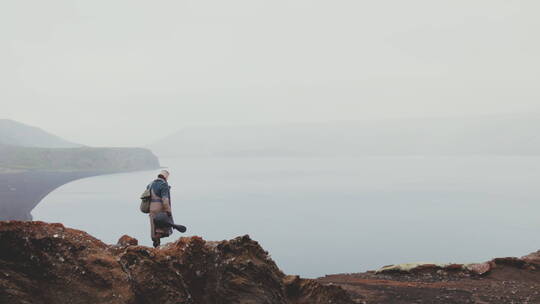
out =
column 161, row 221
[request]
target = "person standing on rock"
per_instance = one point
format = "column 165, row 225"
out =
column 161, row 221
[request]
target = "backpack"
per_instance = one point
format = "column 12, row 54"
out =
column 146, row 197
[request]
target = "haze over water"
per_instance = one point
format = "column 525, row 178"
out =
column 319, row 216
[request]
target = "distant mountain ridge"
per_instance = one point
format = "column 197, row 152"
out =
column 14, row 133
column 482, row 135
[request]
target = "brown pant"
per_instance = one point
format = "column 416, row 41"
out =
column 157, row 233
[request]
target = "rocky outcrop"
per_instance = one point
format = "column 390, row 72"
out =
column 501, row 280
column 48, row 263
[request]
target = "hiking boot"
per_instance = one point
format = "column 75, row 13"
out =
column 180, row 228
column 156, row 243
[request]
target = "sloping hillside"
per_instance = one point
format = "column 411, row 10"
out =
column 18, row 134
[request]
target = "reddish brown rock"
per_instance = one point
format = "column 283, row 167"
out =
column 126, row 240
column 302, row 291
column 481, row 268
column 533, row 258
column 48, row 263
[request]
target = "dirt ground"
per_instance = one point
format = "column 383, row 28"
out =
column 503, row 280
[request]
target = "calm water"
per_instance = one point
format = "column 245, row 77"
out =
column 320, row 216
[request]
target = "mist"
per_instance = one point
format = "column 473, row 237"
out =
column 129, row 73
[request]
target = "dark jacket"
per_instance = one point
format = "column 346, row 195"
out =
column 160, row 188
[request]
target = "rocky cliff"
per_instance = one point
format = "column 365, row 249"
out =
column 27, row 175
column 48, row 263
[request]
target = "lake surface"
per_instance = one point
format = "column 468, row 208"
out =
column 321, row 216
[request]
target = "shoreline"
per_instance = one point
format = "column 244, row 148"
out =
column 21, row 192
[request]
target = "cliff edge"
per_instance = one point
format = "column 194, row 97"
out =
column 48, row 263
column 27, row 175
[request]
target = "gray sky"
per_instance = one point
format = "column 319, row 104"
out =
column 129, row 72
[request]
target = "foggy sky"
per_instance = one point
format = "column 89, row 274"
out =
column 130, row 72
